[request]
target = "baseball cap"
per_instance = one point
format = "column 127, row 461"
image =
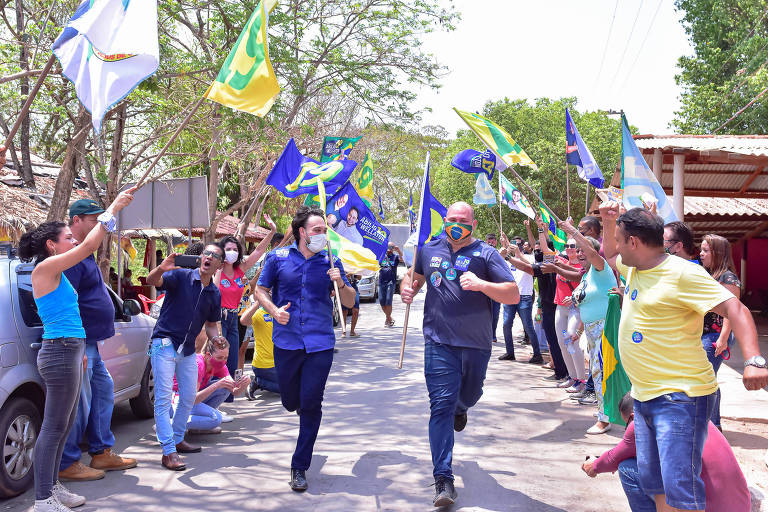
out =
column 85, row 207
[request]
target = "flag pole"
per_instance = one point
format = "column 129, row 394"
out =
column 342, row 318
column 183, row 124
column 30, row 99
column 567, row 184
column 415, row 253
column 533, row 192
column 501, row 225
column 586, row 203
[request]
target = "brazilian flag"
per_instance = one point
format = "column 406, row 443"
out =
column 557, row 235
column 615, row 380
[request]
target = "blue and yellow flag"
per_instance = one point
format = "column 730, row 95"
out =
column 431, row 214
column 337, row 148
column 354, row 221
column 578, row 154
column 294, row 174
column 364, row 183
column 497, row 139
column 557, row 235
column 246, row 80
column 411, row 214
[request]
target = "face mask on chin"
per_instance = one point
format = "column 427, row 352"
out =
column 457, row 231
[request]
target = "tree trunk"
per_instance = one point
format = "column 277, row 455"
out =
column 26, row 162
column 72, row 161
column 213, row 180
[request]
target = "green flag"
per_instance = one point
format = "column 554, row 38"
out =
column 558, row 235
column 364, row 185
column 615, row 380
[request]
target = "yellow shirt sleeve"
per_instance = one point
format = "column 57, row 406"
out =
column 621, row 267
column 699, row 291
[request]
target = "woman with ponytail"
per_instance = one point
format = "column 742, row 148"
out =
column 60, row 360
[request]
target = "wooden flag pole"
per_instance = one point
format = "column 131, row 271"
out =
column 342, row 318
column 501, row 224
column 533, row 192
column 586, row 203
column 568, row 185
column 415, row 253
column 183, row 124
column 30, row 99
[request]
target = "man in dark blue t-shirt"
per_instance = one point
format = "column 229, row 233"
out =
column 388, row 281
column 463, row 277
column 97, row 393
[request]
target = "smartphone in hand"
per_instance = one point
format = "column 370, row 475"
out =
column 238, row 374
column 187, row 261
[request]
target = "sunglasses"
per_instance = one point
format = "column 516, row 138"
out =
column 212, row 254
column 571, row 246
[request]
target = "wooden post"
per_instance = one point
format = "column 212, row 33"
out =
column 501, row 224
column 30, row 99
column 568, row 185
column 407, row 312
column 342, row 319
column 586, row 203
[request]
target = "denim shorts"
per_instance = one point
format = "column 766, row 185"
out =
column 670, row 431
column 386, row 292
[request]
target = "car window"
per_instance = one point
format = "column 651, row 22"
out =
column 26, row 299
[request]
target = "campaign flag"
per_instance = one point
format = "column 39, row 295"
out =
column 615, row 381
column 557, row 235
column 294, row 174
column 497, row 139
column 431, row 214
column 638, row 182
column 510, row 196
column 381, row 208
column 484, row 193
column 411, row 214
column 337, row 148
column 106, row 50
column 364, row 184
column 577, row 153
column 356, row 222
column 246, row 80
column 473, row 161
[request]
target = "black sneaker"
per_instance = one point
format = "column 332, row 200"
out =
column 445, row 493
column 588, row 399
column 459, row 422
column 298, row 480
column 536, row 360
column 507, row 357
column 252, row 387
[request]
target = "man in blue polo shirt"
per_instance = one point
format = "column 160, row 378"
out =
column 301, row 279
column 464, row 276
column 388, row 281
column 97, row 399
column 192, row 300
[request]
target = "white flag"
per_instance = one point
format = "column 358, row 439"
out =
column 484, row 193
column 107, row 49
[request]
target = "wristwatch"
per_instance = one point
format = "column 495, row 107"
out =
column 757, row 361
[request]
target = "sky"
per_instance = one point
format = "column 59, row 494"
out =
column 554, row 48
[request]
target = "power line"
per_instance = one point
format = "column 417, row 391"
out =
column 626, row 46
column 605, row 50
column 736, row 46
column 632, row 67
column 745, row 107
column 721, row 103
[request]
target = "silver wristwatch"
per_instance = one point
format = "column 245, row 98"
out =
column 757, row 361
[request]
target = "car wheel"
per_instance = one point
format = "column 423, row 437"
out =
column 143, row 405
column 20, row 424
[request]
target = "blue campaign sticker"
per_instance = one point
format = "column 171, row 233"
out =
column 267, row 317
column 444, row 265
column 436, row 279
column 476, row 253
column 225, row 282
column 239, row 282
column 637, row 337
column 282, row 253
column 450, row 274
column 435, row 262
column 634, row 294
column 462, row 263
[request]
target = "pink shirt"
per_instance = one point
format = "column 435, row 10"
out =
column 232, row 289
column 218, row 369
column 724, row 483
column 564, row 287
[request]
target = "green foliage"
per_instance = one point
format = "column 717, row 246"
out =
column 727, row 69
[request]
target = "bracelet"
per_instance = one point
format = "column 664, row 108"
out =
column 344, row 286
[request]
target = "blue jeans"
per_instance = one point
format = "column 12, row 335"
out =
column 707, row 341
column 454, row 377
column 94, row 411
column 670, row 431
column 231, row 331
column 60, row 362
column 630, row 481
column 266, row 378
column 386, row 292
column 548, row 323
column 166, row 362
column 525, row 309
column 495, row 321
column 205, row 416
column 302, row 378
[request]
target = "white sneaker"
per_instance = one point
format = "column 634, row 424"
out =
column 50, row 505
column 66, row 497
column 225, row 418
column 566, row 383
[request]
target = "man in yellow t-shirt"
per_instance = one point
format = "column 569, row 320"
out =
column 263, row 364
column 673, row 383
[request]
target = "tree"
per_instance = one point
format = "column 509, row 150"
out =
column 727, row 69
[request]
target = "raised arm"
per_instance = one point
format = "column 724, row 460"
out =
column 585, row 245
column 261, row 248
column 155, row 276
column 531, row 239
column 609, row 212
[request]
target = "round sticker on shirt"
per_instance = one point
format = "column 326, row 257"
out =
column 225, row 283
column 634, row 294
column 436, row 279
column 476, row 253
column 444, row 265
column 637, row 337
column 450, row 274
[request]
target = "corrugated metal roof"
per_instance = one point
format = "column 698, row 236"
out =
column 725, row 206
column 755, row 145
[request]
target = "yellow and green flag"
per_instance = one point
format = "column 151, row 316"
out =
column 496, row 139
column 364, row 185
column 615, row 380
column 247, row 81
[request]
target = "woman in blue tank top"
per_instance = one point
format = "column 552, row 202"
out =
column 60, row 360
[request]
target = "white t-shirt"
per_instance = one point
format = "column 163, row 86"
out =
column 524, row 280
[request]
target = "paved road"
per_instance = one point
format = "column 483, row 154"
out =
column 521, row 449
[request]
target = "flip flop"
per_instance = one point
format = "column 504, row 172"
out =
column 595, row 430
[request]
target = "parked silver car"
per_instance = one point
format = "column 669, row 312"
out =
column 22, row 396
column 368, row 287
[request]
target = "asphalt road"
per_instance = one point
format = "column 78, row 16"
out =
column 521, row 450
